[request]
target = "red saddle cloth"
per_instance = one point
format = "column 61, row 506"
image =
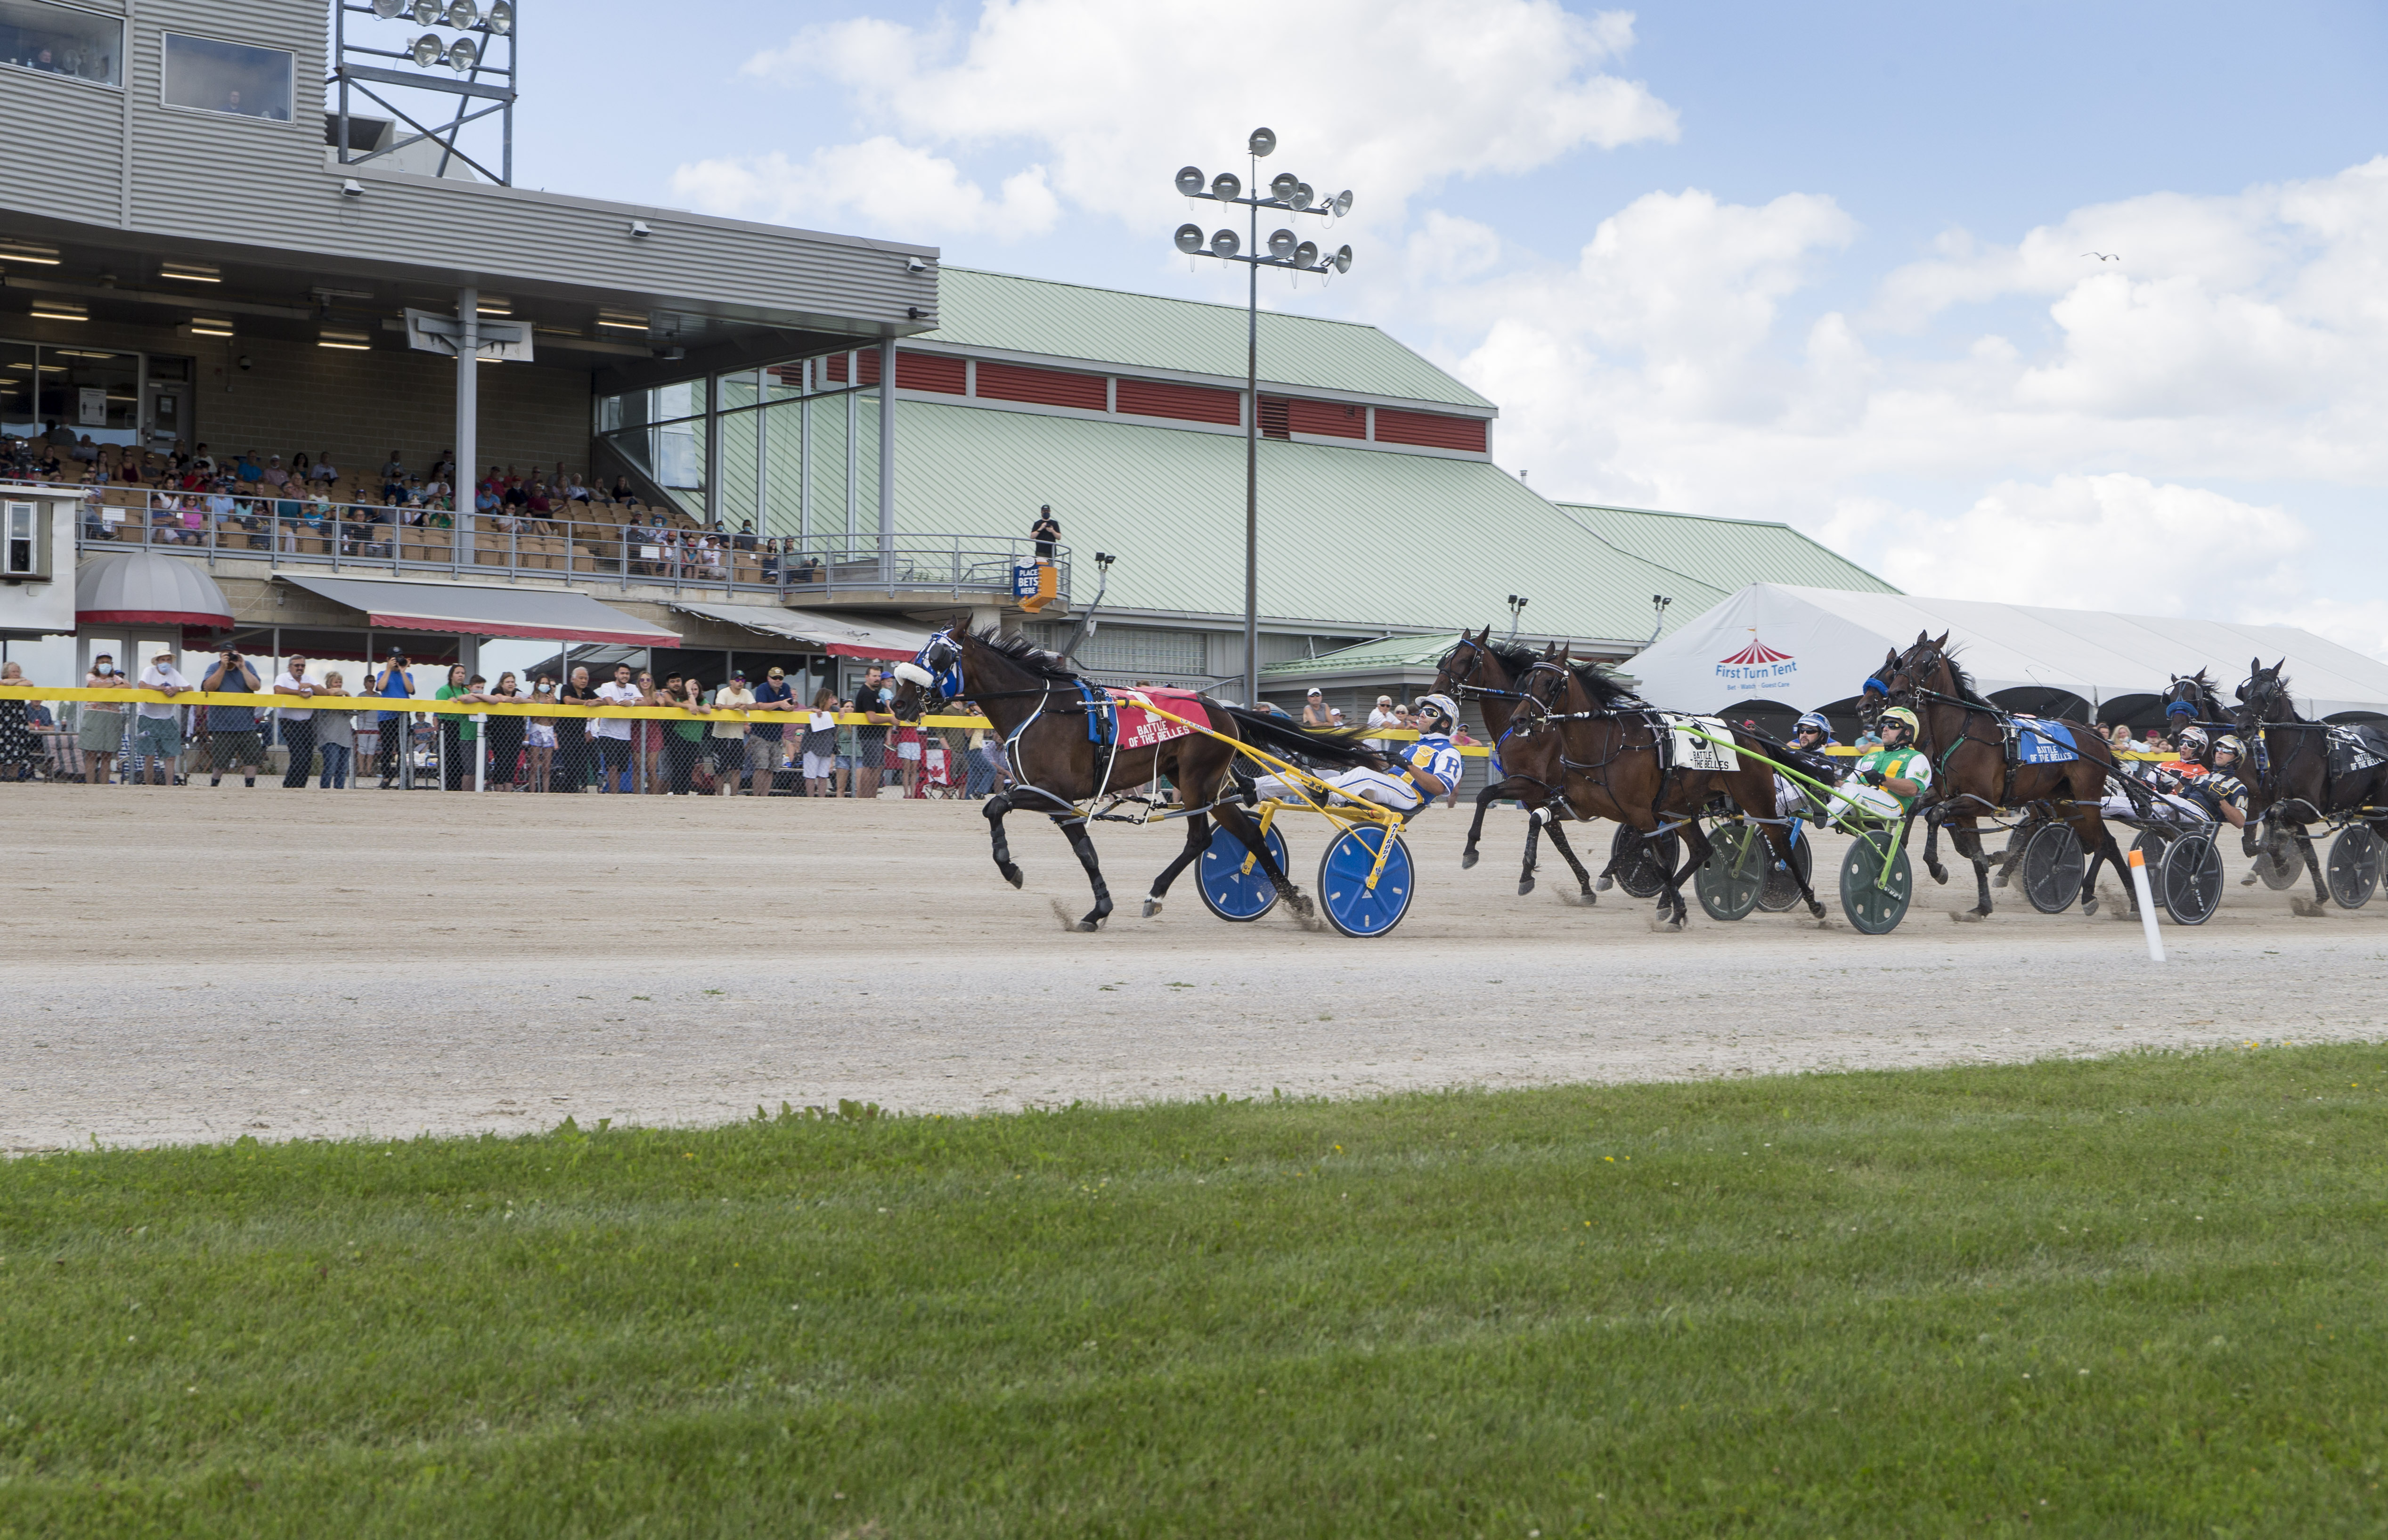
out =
column 1140, row 729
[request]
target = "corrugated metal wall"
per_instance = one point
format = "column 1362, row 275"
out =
column 66, row 140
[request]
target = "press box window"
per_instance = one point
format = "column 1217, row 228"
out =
column 24, row 542
column 211, row 76
column 59, row 40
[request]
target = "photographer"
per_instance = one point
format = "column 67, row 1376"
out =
column 232, row 729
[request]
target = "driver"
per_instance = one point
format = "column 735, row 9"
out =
column 2223, row 784
column 1420, row 772
column 2185, row 788
column 1888, row 778
column 1810, row 736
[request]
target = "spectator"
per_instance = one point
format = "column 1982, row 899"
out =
column 622, row 493
column 540, row 732
column 158, row 728
column 744, row 538
column 1314, row 709
column 572, row 733
column 389, row 738
column 298, row 722
column 245, row 467
column 458, row 740
column 201, row 461
column 1045, row 531
column 20, row 750
column 275, row 476
column 849, row 751
column 323, row 471
column 773, row 695
column 819, row 746
column 729, row 734
column 393, row 473
column 983, row 767
column 907, row 757
column 233, row 738
column 503, row 733
column 686, row 740
column 877, row 706
column 99, row 730
column 336, row 736
column 574, row 490
column 84, row 450
column 647, row 736
column 1382, row 716
column 612, row 733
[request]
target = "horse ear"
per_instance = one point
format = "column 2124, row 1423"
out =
column 1942, row 642
column 2282, row 664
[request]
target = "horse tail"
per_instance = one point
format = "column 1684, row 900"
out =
column 1338, row 746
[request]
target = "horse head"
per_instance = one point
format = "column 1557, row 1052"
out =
column 1923, row 667
column 2264, row 697
column 936, row 672
column 1464, row 666
column 2191, row 695
column 1873, row 697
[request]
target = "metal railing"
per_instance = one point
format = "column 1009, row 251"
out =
column 282, row 531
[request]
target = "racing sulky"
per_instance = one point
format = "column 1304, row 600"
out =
column 2307, row 772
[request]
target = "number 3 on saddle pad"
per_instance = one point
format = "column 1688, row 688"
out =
column 1232, row 883
column 1352, row 906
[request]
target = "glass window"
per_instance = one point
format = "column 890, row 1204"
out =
column 92, row 394
column 227, row 77
column 59, row 40
column 17, row 416
column 19, row 557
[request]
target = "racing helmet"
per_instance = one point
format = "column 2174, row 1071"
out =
column 2191, row 739
column 2229, row 743
column 1905, row 718
column 1813, row 721
column 1437, row 714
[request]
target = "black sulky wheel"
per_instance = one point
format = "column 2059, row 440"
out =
column 2354, row 868
column 2052, row 869
column 2189, row 880
column 1874, row 897
column 2152, row 842
column 1780, row 892
column 1730, row 881
column 2277, row 861
column 1643, row 865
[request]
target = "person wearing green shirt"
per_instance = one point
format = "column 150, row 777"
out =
column 1890, row 776
column 457, row 731
column 686, row 741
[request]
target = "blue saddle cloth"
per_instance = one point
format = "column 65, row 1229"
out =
column 1102, row 714
column 2041, row 742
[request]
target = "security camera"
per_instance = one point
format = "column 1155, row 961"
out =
column 352, row 187
column 914, row 312
column 914, row 264
column 638, row 227
column 243, row 360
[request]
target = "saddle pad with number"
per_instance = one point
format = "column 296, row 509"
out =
column 2356, row 749
column 1141, row 729
column 1693, row 752
column 2038, row 740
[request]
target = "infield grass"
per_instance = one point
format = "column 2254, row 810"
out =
column 2140, row 1295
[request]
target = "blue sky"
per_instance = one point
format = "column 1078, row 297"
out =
column 1814, row 263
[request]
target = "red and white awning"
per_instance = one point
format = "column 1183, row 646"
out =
column 470, row 609
column 148, row 588
column 829, row 633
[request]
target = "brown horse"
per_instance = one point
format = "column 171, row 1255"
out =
column 1964, row 738
column 1611, row 764
column 1038, row 707
column 1480, row 668
column 2289, row 779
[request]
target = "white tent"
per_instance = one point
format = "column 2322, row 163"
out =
column 1808, row 648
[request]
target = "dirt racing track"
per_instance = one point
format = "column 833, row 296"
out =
column 195, row 964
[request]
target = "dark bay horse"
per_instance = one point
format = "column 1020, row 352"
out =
column 2288, row 774
column 1609, row 763
column 1038, row 710
column 1964, row 738
column 1490, row 672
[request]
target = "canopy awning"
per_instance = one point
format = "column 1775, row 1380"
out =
column 831, row 635
column 466, row 609
column 147, row 588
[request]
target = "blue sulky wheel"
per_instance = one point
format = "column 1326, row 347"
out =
column 1229, row 891
column 1352, row 906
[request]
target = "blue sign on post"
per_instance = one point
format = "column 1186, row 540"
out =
column 1023, row 581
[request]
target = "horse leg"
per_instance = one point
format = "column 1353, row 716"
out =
column 1965, row 837
column 2095, row 837
column 1237, row 822
column 2313, row 869
column 1484, row 800
column 1696, row 851
column 1198, row 839
column 1560, row 843
column 2017, row 839
column 1075, row 830
column 1778, row 843
column 997, row 805
column 1533, row 841
column 1932, row 848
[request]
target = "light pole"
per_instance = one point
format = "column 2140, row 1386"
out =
column 1517, row 603
column 1291, row 193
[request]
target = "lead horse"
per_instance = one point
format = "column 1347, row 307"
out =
column 1041, row 712
column 1478, row 666
column 1973, row 775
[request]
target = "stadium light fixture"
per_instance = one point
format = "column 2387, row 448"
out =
column 425, row 12
column 1284, row 249
column 60, row 310
column 622, row 321
column 464, row 15
column 28, row 254
column 463, row 54
column 347, row 341
column 426, row 50
column 390, row 10
column 210, row 326
column 191, row 273
column 501, row 18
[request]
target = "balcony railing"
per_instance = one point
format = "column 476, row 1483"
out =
column 360, row 536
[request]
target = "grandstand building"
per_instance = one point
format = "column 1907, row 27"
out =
column 238, row 263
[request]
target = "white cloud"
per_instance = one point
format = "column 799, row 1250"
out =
column 1390, row 97
column 878, row 182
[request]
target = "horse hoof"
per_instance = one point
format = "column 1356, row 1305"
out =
column 1605, row 885
column 1090, row 924
column 1967, row 916
column 1299, row 903
column 2090, row 905
column 1816, row 909
column 2305, row 907
column 1525, row 885
column 1939, row 872
column 1010, row 873
column 1151, row 908
column 1466, row 859
column 1999, row 881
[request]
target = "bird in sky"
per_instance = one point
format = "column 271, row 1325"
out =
column 2105, row 256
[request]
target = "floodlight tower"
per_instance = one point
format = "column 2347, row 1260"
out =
column 1291, row 193
column 475, row 76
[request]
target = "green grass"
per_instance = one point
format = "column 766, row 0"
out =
column 2139, row 1295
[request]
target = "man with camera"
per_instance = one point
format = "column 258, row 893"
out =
column 232, row 729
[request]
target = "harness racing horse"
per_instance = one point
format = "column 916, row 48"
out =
column 1039, row 710
column 1964, row 737
column 1611, row 762
column 2190, row 700
column 1490, row 672
column 2292, row 784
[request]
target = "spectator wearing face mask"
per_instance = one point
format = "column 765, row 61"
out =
column 99, row 730
column 158, row 727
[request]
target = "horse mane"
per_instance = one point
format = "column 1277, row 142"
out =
column 1029, row 655
column 2288, row 699
column 1604, row 687
column 1964, row 681
column 1518, row 660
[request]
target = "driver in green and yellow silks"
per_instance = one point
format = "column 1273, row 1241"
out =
column 1887, row 781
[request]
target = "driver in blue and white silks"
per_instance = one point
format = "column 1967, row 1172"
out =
column 1421, row 772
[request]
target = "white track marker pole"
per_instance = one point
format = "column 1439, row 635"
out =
column 2147, row 905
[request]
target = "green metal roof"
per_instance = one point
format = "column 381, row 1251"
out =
column 1725, row 554
column 1351, row 540
column 1109, row 327
column 1387, row 652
